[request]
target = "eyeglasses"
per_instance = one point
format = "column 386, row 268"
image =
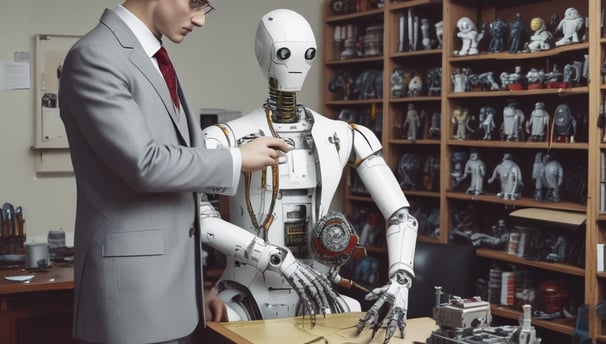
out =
column 201, row 5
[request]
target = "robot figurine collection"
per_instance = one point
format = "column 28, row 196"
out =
column 283, row 245
column 518, row 123
column 574, row 73
column 552, row 180
column 570, row 29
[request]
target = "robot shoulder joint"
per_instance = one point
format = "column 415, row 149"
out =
column 365, row 142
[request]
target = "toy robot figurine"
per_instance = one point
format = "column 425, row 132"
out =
column 470, row 37
column 541, row 37
column 513, row 121
column 477, row 170
column 570, row 26
column 412, row 123
column 549, row 177
column 283, row 246
column 459, row 82
column 517, row 29
column 564, row 124
column 537, row 124
column 510, row 176
column 498, row 30
column 461, row 118
column 397, row 83
column 434, row 81
column 497, row 239
column 535, row 78
column 487, row 124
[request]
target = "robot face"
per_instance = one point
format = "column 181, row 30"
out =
column 465, row 24
column 571, row 13
column 285, row 48
column 536, row 24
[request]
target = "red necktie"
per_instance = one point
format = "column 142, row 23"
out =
column 166, row 67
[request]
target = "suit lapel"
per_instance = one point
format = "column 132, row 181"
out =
column 142, row 62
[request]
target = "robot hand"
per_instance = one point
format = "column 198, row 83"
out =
column 395, row 295
column 314, row 288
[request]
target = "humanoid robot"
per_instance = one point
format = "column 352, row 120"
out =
column 412, row 123
column 537, row 124
column 475, row 168
column 510, row 177
column 570, row 26
column 498, row 30
column 487, row 124
column 541, row 37
column 513, row 122
column 469, row 35
column 517, row 30
column 283, row 245
column 549, row 177
column 461, row 118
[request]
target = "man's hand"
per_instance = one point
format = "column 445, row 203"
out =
column 394, row 295
column 214, row 307
column 262, row 152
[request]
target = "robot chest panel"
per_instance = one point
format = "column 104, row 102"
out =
column 298, row 168
column 298, row 171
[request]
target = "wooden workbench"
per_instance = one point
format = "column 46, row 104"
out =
column 40, row 310
column 333, row 329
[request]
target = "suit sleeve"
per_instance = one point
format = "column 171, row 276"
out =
column 110, row 105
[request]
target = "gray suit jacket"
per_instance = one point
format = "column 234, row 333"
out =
column 136, row 273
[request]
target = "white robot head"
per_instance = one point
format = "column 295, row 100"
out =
column 285, row 47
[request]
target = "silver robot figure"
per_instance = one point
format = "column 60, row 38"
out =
column 284, row 246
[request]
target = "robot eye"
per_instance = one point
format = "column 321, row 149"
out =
column 310, row 53
column 283, row 53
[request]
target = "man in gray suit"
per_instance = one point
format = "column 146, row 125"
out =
column 141, row 167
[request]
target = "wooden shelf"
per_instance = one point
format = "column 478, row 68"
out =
column 378, row 13
column 571, row 91
column 561, row 325
column 522, row 202
column 510, row 258
column 519, row 144
column 506, row 56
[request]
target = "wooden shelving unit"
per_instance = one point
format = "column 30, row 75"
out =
column 587, row 98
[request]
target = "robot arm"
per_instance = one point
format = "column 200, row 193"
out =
column 401, row 234
column 313, row 287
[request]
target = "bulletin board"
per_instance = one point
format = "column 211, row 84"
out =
column 50, row 51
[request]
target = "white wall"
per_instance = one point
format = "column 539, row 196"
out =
column 216, row 65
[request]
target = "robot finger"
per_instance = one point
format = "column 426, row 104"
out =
column 306, row 303
column 332, row 298
column 402, row 325
column 369, row 316
column 315, row 290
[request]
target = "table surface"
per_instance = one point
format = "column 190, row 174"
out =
column 60, row 276
column 333, row 329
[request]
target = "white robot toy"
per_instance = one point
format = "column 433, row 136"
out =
column 469, row 35
column 570, row 26
column 283, row 245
